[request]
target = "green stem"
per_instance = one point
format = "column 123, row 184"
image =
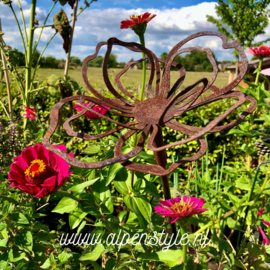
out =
column 95, row 122
column 40, row 56
column 24, row 25
column 142, row 41
column 20, row 30
column 175, row 176
column 183, row 231
column 44, row 25
column 248, row 162
column 5, row 109
column 222, row 165
column 258, row 71
column 28, row 83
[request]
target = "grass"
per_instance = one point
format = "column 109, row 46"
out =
column 131, row 78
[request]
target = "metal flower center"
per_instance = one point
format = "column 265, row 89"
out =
column 150, row 111
column 38, row 172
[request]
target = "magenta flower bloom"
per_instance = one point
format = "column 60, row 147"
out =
column 265, row 240
column 261, row 210
column 38, row 171
column 30, row 113
column 262, row 51
column 178, row 208
column 266, row 223
column 95, row 108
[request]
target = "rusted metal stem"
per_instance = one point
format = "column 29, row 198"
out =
column 161, row 160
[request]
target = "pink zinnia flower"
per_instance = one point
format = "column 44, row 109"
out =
column 179, row 208
column 265, row 240
column 135, row 20
column 96, row 108
column 38, row 171
column 265, row 72
column 261, row 210
column 30, row 112
column 262, row 51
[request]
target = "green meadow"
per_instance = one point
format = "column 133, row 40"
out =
column 131, row 78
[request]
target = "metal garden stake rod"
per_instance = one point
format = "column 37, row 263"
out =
column 7, row 80
column 162, row 109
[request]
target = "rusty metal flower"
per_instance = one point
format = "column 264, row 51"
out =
column 159, row 111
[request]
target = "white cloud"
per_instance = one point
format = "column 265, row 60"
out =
column 95, row 25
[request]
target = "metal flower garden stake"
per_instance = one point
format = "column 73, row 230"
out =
column 159, row 111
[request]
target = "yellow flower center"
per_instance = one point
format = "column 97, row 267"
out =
column 180, row 206
column 263, row 46
column 37, row 167
column 38, row 172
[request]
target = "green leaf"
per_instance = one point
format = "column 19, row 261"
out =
column 267, row 119
column 24, row 240
column 92, row 149
column 94, row 255
column 80, row 188
column 4, row 198
column 96, row 266
column 239, row 132
column 109, row 154
column 2, row 226
column 243, row 184
column 66, row 205
column 238, row 263
column 44, row 236
column 254, row 250
column 19, row 218
column 103, row 192
column 170, row 257
column 141, row 207
column 120, row 181
column 223, row 245
column 113, row 170
column 49, row 263
column 3, row 243
column 147, row 157
column 259, row 265
column 63, row 257
column 81, row 227
column 152, row 189
column 75, row 218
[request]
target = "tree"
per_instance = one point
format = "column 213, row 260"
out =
column 163, row 56
column 17, row 57
column 121, row 64
column 76, row 60
column 242, row 20
column 112, row 61
column 97, row 62
column 195, row 60
column 50, row 62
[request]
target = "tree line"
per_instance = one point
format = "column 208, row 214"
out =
column 18, row 59
column 193, row 61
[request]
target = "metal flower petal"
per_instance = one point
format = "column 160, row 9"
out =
column 157, row 112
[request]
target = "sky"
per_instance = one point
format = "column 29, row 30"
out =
column 175, row 20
